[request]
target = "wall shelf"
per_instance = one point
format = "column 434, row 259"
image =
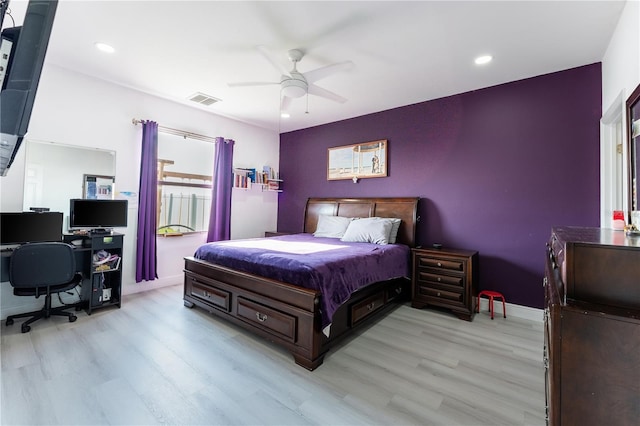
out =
column 246, row 179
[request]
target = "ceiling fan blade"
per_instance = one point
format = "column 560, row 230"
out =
column 253, row 83
column 323, row 72
column 324, row 93
column 285, row 103
column 272, row 60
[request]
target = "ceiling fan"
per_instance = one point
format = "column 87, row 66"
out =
column 294, row 84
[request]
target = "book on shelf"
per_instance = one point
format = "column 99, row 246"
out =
column 270, row 173
column 273, row 185
column 242, row 177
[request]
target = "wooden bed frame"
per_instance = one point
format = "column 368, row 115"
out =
column 287, row 314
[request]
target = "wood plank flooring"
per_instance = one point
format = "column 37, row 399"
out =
column 156, row 362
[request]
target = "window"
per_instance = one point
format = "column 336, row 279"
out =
column 185, row 170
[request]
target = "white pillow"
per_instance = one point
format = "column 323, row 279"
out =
column 395, row 226
column 331, row 226
column 368, row 230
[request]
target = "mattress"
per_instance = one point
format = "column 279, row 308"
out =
column 335, row 268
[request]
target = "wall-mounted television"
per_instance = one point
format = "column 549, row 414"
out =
column 30, row 227
column 97, row 215
column 22, row 52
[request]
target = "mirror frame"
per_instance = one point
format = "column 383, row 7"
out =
column 633, row 150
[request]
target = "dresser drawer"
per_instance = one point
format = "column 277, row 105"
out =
column 209, row 294
column 281, row 323
column 366, row 307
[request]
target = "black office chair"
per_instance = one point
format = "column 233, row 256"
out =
column 43, row 269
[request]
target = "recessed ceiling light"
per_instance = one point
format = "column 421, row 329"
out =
column 285, row 115
column 103, row 47
column 481, row 60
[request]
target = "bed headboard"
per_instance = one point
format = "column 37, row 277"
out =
column 401, row 208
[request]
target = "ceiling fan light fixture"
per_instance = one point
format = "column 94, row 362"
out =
column 294, row 88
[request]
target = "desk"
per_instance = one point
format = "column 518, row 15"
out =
column 102, row 284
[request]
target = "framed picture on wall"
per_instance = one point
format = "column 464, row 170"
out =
column 97, row 187
column 361, row 160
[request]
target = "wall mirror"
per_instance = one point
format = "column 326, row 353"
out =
column 55, row 173
column 633, row 137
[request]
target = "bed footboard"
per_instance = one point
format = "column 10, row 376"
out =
column 285, row 314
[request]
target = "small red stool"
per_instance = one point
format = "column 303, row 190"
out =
column 491, row 295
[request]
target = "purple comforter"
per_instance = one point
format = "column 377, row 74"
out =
column 335, row 268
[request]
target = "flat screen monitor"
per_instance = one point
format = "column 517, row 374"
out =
column 97, row 215
column 30, row 227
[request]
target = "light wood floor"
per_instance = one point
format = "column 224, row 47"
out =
column 156, row 362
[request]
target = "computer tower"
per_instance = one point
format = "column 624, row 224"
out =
column 96, row 290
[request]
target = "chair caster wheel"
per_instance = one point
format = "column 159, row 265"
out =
column 26, row 328
column 9, row 321
column 73, row 318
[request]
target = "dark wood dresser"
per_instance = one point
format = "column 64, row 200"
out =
column 447, row 278
column 592, row 327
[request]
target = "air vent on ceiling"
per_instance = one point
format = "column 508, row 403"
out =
column 203, row 99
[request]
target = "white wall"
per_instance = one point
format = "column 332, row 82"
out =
column 75, row 109
column 621, row 61
column 620, row 76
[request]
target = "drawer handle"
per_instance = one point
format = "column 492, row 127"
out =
column 370, row 306
column 439, row 264
column 398, row 290
column 261, row 317
column 439, row 279
column 206, row 294
column 438, row 294
column 544, row 282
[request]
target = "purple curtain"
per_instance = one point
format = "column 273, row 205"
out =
column 146, row 261
column 220, row 219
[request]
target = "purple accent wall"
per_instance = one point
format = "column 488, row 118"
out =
column 496, row 169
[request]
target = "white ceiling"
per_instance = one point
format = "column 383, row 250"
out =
column 403, row 52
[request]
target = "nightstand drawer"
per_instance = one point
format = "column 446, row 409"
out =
column 437, row 263
column 456, row 280
column 435, row 293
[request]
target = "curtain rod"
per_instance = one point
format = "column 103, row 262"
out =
column 177, row 132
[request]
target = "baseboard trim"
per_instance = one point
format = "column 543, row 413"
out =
column 152, row 285
column 518, row 311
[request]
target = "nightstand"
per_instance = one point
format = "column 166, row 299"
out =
column 447, row 278
column 275, row 234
